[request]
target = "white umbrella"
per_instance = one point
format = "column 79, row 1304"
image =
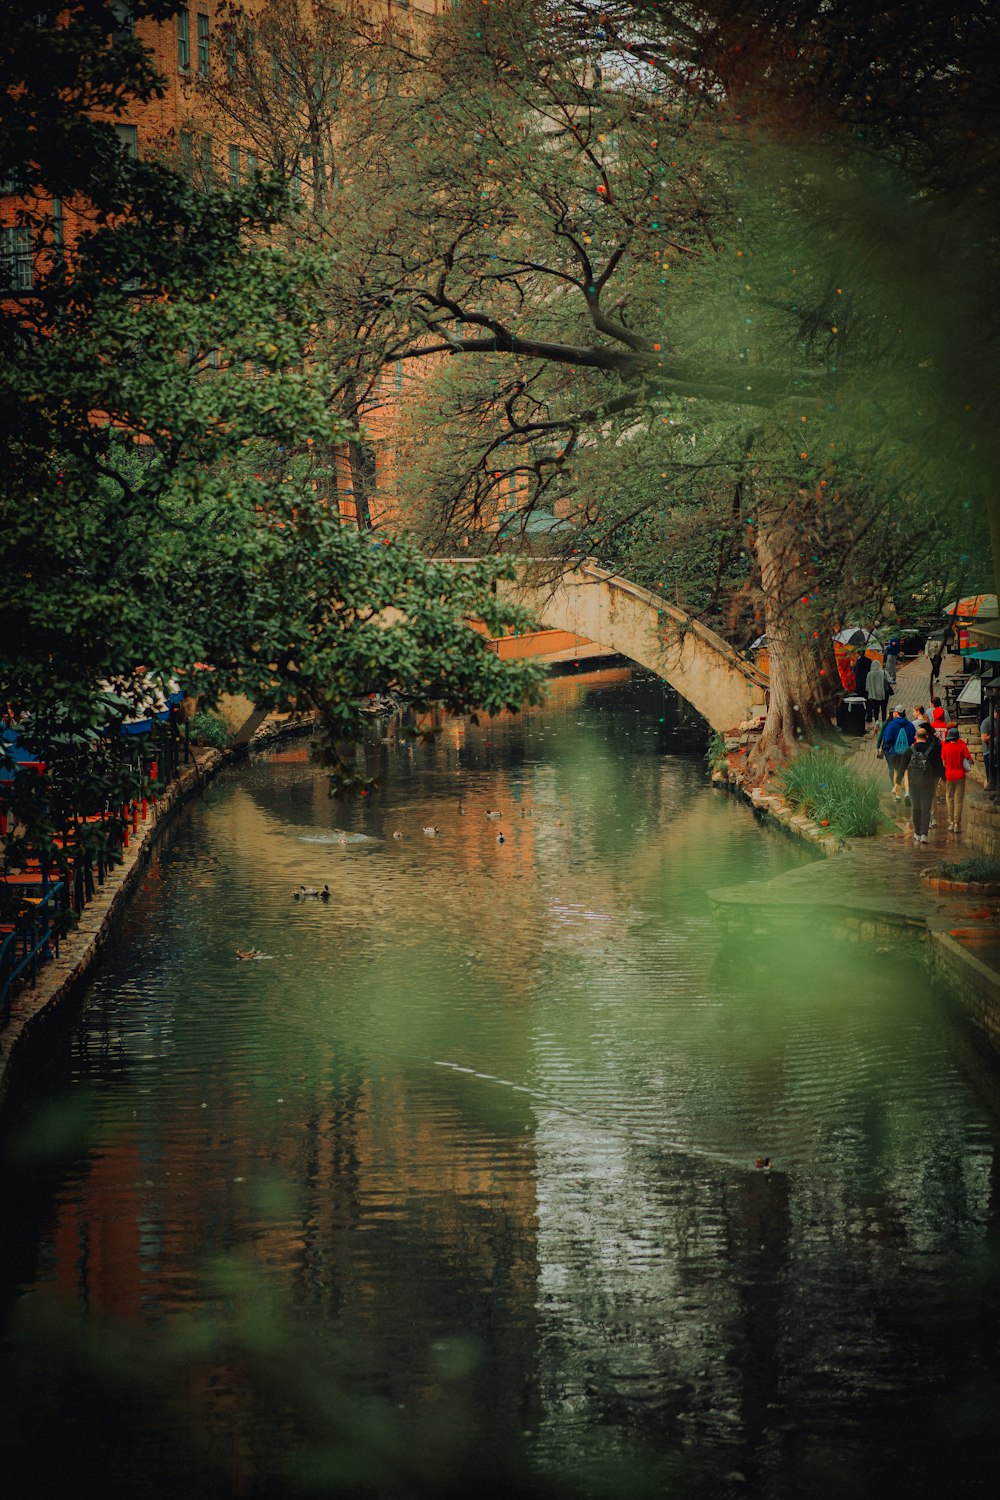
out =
column 855, row 636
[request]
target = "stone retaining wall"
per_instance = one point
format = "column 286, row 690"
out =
column 981, row 826
column 61, row 976
column 976, row 987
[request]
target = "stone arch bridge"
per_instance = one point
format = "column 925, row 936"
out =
column 629, row 621
column 634, row 622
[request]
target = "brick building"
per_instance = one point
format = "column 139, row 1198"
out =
column 209, row 56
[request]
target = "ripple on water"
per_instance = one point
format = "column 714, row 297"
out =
column 516, row 1093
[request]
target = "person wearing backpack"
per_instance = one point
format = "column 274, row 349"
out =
column 957, row 759
column 924, row 769
column 897, row 737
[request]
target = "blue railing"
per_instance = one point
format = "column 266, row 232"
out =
column 34, row 939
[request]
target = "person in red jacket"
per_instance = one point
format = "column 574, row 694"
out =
column 957, row 763
column 938, row 716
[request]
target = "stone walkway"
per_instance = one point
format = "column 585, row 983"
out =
column 873, row 887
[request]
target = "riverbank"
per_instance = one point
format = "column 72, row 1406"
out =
column 870, row 889
column 60, row 976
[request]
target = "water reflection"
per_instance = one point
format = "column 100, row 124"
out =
column 461, row 1176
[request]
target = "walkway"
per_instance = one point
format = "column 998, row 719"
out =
column 873, row 889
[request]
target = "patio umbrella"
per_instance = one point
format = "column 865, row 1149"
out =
column 864, row 640
column 974, row 607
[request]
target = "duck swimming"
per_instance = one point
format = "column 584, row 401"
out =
column 311, row 893
column 430, row 832
column 249, row 953
column 493, row 812
column 501, row 838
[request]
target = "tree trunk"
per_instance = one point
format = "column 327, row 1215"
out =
column 797, row 636
column 362, row 460
column 361, row 457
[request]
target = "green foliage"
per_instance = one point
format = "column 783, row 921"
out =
column 139, row 378
column 821, row 785
column 976, row 867
column 716, row 753
column 209, row 729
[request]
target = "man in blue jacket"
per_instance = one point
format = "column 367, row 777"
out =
column 898, row 725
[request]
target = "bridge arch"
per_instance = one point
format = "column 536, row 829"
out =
column 633, row 622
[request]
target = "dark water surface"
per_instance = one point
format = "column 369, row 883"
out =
column 459, row 1179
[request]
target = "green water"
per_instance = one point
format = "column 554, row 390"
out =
column 455, row 1187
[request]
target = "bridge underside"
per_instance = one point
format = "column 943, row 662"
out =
column 632, row 622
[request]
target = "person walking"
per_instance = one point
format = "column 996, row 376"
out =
column 924, row 768
column 957, row 765
column 897, row 737
column 862, row 666
column 889, row 668
column 939, row 718
column 876, row 691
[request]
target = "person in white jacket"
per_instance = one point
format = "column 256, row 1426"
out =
column 877, row 693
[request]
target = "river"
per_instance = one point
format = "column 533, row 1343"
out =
column 454, row 1191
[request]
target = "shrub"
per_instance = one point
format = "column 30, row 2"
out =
column 825, row 788
column 716, row 753
column 977, row 868
column 208, row 729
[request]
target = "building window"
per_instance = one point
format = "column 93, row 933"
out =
column 202, row 20
column 123, row 15
column 187, row 154
column 57, row 227
column 399, row 374
column 17, row 271
column 252, row 168
column 207, row 169
column 12, row 180
column 183, row 40
column 234, row 166
column 232, row 55
column 128, row 138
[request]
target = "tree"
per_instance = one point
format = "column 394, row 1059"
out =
column 176, row 330
column 623, row 221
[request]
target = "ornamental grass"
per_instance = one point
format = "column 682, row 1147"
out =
column 978, row 868
column 824, row 787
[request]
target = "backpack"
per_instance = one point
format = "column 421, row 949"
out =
column 920, row 759
column 901, row 743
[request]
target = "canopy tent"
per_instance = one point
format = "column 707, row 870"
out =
column 974, row 607
column 155, row 699
column 15, row 756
